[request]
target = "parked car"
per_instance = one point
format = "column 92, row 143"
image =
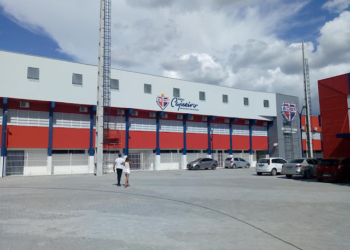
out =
column 336, row 169
column 272, row 166
column 235, row 162
column 304, row 167
column 202, row 163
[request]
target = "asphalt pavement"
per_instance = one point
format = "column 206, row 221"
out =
column 205, row 209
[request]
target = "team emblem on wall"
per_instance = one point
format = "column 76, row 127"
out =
column 289, row 111
column 162, row 101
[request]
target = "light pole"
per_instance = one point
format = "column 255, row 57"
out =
column 212, row 142
column 301, row 132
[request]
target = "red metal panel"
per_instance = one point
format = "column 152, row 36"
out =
column 333, row 94
column 314, row 123
column 70, row 108
column 142, row 140
column 197, row 141
column 316, row 145
column 260, row 143
column 27, row 137
column 240, row 142
column 34, row 105
column 70, row 138
column 221, row 141
column 168, row 140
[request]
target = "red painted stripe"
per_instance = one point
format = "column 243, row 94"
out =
column 70, row 138
column 27, row 137
column 142, row 140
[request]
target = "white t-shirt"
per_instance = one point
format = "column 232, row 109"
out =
column 118, row 162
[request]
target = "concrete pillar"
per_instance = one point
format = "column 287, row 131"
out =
column 157, row 162
column 49, row 165
column 3, row 166
column 184, row 162
column 91, row 164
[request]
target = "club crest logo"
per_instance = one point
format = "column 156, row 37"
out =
column 162, row 101
column 289, row 111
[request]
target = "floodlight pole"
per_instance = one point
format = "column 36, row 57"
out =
column 99, row 106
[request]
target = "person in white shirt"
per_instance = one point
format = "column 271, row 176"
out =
column 127, row 165
column 119, row 164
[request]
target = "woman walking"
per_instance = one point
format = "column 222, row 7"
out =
column 127, row 165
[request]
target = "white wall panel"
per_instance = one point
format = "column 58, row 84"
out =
column 171, row 126
column 66, row 120
column 28, row 118
column 197, row 127
column 142, row 124
column 259, row 131
column 240, row 130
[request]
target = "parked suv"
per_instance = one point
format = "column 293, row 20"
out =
column 304, row 167
column 236, row 162
column 272, row 166
column 336, row 169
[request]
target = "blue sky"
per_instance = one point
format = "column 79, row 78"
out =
column 18, row 39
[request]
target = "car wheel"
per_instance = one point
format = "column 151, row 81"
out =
column 259, row 173
column 273, row 172
column 213, row 167
column 320, row 179
column 289, row 176
column 247, row 166
column 196, row 167
column 307, row 174
column 234, row 166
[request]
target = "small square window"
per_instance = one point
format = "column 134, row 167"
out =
column 77, row 79
column 176, row 92
column 33, row 73
column 246, row 101
column 147, row 88
column 225, row 98
column 201, row 96
column 266, row 103
column 115, row 84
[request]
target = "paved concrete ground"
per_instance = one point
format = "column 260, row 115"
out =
column 222, row 209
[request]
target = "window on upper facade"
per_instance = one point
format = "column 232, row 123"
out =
column 77, row 79
column 225, row 98
column 201, row 96
column 246, row 101
column 176, row 92
column 147, row 88
column 114, row 84
column 266, row 103
column 33, row 73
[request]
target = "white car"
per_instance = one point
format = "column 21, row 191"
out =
column 272, row 166
column 235, row 162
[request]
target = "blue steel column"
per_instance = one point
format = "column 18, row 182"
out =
column 184, row 150
column 127, row 126
column 4, row 129
column 251, row 122
column 209, row 146
column 159, row 114
column 91, row 148
column 49, row 150
column 230, row 128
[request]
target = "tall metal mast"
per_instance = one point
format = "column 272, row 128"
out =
column 103, row 87
column 309, row 150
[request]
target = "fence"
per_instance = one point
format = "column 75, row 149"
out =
column 170, row 161
column 26, row 162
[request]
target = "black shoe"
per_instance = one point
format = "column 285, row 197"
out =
column 119, row 185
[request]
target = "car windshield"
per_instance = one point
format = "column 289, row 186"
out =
column 328, row 162
column 199, row 159
column 296, row 161
column 228, row 159
column 263, row 161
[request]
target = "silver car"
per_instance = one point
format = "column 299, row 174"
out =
column 202, row 163
column 236, row 162
column 304, row 167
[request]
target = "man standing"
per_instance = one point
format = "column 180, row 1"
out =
column 119, row 162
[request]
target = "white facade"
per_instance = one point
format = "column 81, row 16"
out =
column 55, row 84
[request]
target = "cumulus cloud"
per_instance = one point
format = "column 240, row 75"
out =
column 336, row 5
column 226, row 42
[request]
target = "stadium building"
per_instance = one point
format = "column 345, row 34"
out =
column 48, row 119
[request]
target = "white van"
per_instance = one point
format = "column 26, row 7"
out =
column 272, row 166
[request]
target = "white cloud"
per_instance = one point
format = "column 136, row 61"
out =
column 225, row 42
column 337, row 6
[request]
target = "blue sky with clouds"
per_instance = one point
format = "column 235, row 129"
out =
column 221, row 42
